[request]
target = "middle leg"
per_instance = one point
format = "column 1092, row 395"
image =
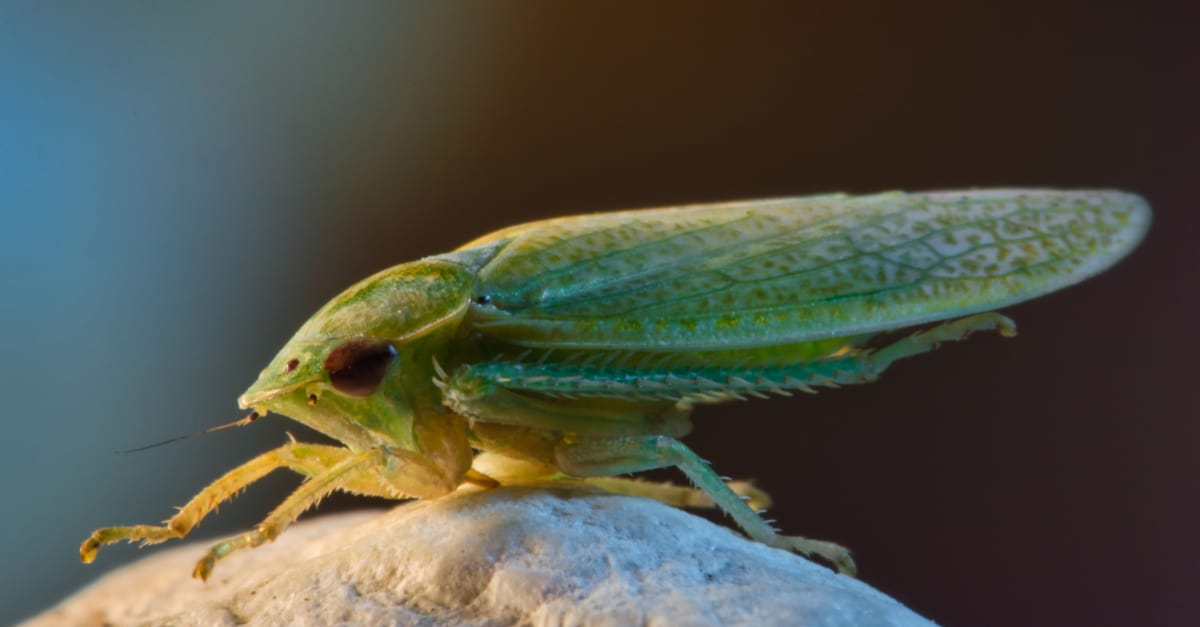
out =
column 505, row 470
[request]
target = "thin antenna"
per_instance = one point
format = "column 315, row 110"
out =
column 251, row 417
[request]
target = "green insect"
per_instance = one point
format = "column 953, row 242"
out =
column 570, row 350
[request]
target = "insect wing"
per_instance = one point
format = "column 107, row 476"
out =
column 762, row 273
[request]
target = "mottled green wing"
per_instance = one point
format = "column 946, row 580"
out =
column 761, row 273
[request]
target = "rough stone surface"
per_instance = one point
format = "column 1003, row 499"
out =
column 497, row 557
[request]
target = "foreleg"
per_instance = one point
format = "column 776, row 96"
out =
column 306, row 459
column 308, row 494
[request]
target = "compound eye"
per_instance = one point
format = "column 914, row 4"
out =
column 357, row 368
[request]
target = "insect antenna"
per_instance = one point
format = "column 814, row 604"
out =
column 241, row 422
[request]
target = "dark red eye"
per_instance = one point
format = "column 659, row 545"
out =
column 357, row 368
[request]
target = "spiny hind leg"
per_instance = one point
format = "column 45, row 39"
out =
column 350, row 468
column 596, row 457
column 952, row 331
column 306, row 459
column 504, row 470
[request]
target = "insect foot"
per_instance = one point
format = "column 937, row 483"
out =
column 835, row 554
column 148, row 534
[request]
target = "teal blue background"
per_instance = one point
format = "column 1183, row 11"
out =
column 181, row 186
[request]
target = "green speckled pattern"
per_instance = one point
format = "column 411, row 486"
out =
column 747, row 274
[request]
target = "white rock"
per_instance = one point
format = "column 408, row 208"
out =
column 496, row 557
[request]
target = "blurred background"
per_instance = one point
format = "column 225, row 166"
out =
column 181, row 186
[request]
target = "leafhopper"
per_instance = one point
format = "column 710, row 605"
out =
column 571, row 351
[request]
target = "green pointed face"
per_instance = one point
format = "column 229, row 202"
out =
column 349, row 371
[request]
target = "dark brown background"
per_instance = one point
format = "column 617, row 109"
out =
column 188, row 185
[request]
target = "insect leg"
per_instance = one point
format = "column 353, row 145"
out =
column 510, row 471
column 953, row 331
column 306, row 459
column 601, row 457
column 307, row 495
column 678, row 495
